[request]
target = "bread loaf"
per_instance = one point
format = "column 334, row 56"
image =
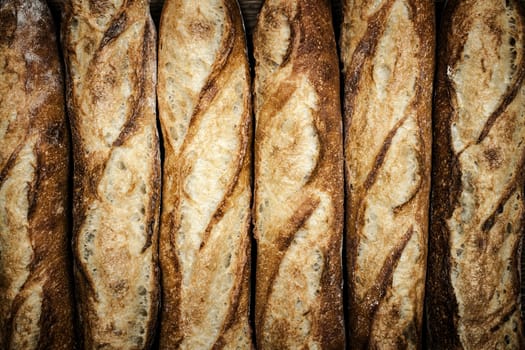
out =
column 204, row 105
column 473, row 286
column 36, row 301
column 109, row 49
column 387, row 49
column 298, row 204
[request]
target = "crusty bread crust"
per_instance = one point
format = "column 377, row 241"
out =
column 36, row 300
column 387, row 50
column 109, row 49
column 473, row 285
column 205, row 112
column 298, row 206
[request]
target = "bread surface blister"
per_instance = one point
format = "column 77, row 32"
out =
column 478, row 206
column 204, row 104
column 298, row 204
column 387, row 50
column 110, row 55
column 36, row 305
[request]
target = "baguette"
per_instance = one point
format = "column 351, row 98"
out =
column 205, row 113
column 36, row 300
column 298, row 204
column 479, row 155
column 388, row 63
column 109, row 49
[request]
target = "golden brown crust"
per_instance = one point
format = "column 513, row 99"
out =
column 36, row 301
column 204, row 104
column 478, row 177
column 387, row 53
column 110, row 57
column 298, row 205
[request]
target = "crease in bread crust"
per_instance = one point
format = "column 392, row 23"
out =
column 477, row 216
column 387, row 53
column 298, row 204
column 36, row 304
column 110, row 58
column 204, row 105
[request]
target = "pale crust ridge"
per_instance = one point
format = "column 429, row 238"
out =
column 387, row 50
column 36, row 301
column 477, row 223
column 298, row 204
column 205, row 113
column 110, row 55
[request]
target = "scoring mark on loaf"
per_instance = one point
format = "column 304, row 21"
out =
column 208, row 179
column 188, row 77
column 515, row 77
column 364, row 49
column 403, row 306
column 114, row 30
column 274, row 42
column 384, row 210
column 497, row 69
column 301, row 254
column 374, row 296
column 290, row 156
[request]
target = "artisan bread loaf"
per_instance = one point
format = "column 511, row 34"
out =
column 298, row 204
column 473, row 286
column 109, row 49
column 36, row 301
column 205, row 112
column 387, row 49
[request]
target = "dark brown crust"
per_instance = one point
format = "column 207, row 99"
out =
column 231, row 55
column 440, row 306
column 364, row 52
column 48, row 229
column 441, row 302
column 362, row 312
column 153, row 220
column 312, row 53
column 88, row 170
